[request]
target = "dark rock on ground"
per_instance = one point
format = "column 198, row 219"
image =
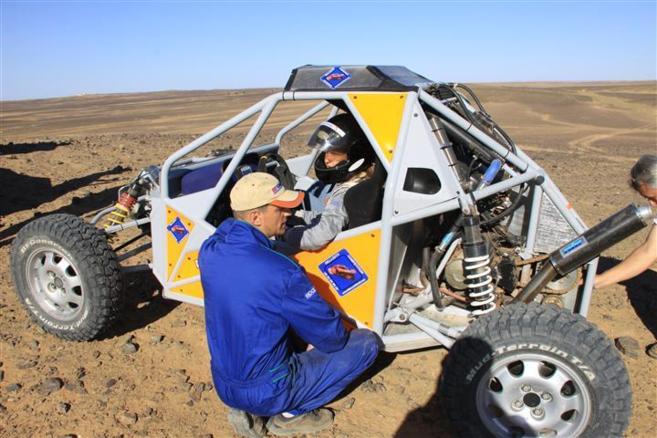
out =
column 13, row 387
column 129, row 348
column 126, row 418
column 370, row 386
column 80, row 373
column 348, row 403
column 628, row 346
column 77, row 387
column 50, row 385
column 26, row 363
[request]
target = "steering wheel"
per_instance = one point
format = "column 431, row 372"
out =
column 274, row 164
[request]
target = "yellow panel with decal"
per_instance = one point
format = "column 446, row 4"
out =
column 358, row 303
column 194, row 289
column 383, row 114
column 188, row 266
column 178, row 230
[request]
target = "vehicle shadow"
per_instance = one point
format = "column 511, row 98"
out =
column 143, row 304
column 428, row 420
column 24, row 192
column 454, row 393
column 26, row 148
column 641, row 291
column 36, row 190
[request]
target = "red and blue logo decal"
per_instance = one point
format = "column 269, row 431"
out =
column 335, row 77
column 343, row 272
column 178, row 229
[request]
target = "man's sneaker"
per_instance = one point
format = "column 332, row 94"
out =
column 245, row 424
column 310, row 422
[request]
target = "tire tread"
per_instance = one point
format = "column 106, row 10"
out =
column 93, row 256
column 535, row 321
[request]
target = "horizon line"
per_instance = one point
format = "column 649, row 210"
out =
column 174, row 90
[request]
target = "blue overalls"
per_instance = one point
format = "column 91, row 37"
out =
column 254, row 298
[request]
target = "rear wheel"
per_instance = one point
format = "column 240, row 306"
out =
column 67, row 276
column 532, row 370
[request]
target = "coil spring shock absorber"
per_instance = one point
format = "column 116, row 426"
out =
column 128, row 195
column 476, row 267
column 123, row 207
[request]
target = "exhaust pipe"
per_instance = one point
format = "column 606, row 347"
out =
column 586, row 247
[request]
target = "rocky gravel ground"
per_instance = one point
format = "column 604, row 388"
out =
column 150, row 375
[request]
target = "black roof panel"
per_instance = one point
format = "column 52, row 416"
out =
column 354, row 78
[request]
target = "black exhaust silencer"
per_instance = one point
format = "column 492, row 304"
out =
column 587, row 246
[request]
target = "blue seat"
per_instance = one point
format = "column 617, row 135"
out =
column 201, row 179
column 208, row 176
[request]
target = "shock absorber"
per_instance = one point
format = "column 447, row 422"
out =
column 147, row 179
column 476, row 267
column 123, row 207
column 454, row 232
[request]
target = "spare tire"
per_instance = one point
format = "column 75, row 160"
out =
column 67, row 276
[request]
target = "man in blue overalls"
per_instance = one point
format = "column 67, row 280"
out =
column 255, row 299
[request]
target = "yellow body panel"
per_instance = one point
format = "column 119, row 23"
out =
column 188, row 267
column 359, row 303
column 383, row 114
column 194, row 289
column 174, row 248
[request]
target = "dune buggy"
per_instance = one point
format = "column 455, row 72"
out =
column 458, row 239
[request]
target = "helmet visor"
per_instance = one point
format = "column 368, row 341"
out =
column 328, row 136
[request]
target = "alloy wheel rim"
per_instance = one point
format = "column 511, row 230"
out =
column 534, row 395
column 55, row 283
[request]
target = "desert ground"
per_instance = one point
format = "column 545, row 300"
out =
column 72, row 154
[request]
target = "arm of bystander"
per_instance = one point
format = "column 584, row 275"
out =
column 638, row 261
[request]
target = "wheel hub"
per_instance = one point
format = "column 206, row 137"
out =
column 530, row 394
column 532, row 400
column 55, row 283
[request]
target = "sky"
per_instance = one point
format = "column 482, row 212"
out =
column 64, row 48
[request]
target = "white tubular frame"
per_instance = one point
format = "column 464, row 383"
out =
column 520, row 168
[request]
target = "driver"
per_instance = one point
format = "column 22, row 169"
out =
column 345, row 159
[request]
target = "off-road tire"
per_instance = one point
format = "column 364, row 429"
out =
column 535, row 335
column 78, row 259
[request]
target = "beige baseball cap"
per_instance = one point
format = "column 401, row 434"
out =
column 258, row 189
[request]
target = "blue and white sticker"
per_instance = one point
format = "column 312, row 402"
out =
column 572, row 246
column 342, row 271
column 178, row 229
column 335, row 77
column 311, row 293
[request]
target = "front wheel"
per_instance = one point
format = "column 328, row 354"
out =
column 67, row 276
column 532, row 370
